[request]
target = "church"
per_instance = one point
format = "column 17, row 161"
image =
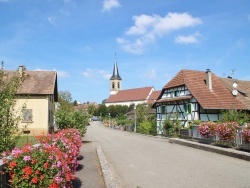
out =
column 135, row 96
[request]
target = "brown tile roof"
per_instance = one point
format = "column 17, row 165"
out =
column 136, row 94
column 243, row 88
column 219, row 98
column 38, row 83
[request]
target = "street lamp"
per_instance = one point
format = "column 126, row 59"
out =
column 109, row 119
column 135, row 118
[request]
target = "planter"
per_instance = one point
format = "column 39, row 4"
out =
column 244, row 147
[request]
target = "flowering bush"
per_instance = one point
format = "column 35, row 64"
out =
column 246, row 134
column 207, row 129
column 51, row 164
column 226, row 131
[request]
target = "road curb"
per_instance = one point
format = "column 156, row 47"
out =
column 214, row 149
column 108, row 176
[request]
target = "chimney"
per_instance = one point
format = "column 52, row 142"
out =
column 21, row 71
column 209, row 79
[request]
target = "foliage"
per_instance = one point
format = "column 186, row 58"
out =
column 51, row 164
column 67, row 117
column 172, row 125
column 9, row 118
column 246, row 134
column 194, row 122
column 102, row 110
column 144, row 127
column 207, row 129
column 117, row 110
column 91, row 109
column 233, row 115
column 143, row 112
column 153, row 129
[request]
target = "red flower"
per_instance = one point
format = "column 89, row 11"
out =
column 54, row 185
column 27, row 170
column 34, row 180
column 25, row 176
column 45, row 165
column 37, row 172
column 12, row 164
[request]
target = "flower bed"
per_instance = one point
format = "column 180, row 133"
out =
column 51, row 164
column 225, row 132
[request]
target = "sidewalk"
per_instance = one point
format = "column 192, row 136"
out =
column 89, row 174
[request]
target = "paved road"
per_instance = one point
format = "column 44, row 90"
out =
column 147, row 162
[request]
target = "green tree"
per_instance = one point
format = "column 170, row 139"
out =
column 91, row 109
column 233, row 115
column 67, row 117
column 9, row 117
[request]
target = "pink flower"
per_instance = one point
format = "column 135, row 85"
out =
column 26, row 158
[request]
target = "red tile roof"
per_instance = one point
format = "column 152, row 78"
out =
column 136, row 94
column 219, row 98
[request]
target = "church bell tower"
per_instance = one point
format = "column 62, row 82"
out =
column 115, row 80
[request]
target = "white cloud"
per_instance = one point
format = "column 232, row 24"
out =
column 52, row 20
column 62, row 74
column 148, row 28
column 190, row 39
column 151, row 74
column 94, row 73
column 109, row 4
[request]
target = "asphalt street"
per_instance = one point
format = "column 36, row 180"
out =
column 139, row 161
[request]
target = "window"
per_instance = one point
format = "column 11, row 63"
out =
column 176, row 93
column 113, row 85
column 27, row 115
column 163, row 110
column 118, row 85
column 188, row 108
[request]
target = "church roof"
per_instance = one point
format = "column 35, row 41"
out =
column 136, row 94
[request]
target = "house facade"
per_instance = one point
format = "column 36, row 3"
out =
column 197, row 95
column 35, row 100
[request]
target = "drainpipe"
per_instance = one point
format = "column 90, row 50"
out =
column 209, row 79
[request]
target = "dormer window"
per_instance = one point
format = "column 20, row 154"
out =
column 176, row 93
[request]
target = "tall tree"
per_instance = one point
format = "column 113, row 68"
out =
column 9, row 117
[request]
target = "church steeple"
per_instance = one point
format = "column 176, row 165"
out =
column 115, row 71
column 115, row 80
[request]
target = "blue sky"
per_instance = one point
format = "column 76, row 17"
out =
column 153, row 40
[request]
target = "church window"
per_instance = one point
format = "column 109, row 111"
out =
column 113, row 85
column 118, row 85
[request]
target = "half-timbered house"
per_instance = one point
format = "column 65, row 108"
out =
column 198, row 95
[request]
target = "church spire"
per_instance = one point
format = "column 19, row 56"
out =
column 115, row 80
column 115, row 75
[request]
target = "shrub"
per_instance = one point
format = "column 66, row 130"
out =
column 246, row 134
column 226, row 131
column 207, row 129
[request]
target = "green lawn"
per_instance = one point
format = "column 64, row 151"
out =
column 24, row 140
